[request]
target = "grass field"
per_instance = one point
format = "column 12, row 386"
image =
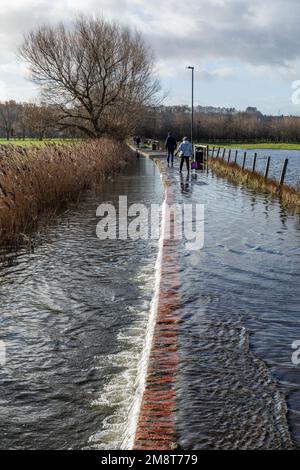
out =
column 37, row 142
column 267, row 145
column 247, row 146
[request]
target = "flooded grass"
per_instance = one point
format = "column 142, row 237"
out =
column 289, row 196
column 35, row 181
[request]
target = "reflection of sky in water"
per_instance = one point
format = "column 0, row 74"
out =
column 278, row 156
column 74, row 312
column 74, row 315
column 241, row 289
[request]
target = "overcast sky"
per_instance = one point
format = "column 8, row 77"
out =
column 245, row 52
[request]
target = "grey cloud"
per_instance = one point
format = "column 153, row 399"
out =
column 235, row 31
column 258, row 33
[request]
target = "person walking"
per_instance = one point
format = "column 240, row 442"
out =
column 170, row 146
column 138, row 141
column 186, row 151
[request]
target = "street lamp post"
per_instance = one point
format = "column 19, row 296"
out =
column 192, row 120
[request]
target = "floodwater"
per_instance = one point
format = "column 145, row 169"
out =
column 238, row 387
column 278, row 157
column 74, row 317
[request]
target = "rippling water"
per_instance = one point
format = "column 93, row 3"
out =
column 73, row 317
column 277, row 159
column 75, row 311
column 240, row 315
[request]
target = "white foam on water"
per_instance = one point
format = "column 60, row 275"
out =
column 125, row 390
column 133, row 417
column 115, row 398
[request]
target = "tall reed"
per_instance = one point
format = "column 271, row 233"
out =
column 35, row 180
column 289, row 197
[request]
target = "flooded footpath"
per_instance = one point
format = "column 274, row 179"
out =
column 78, row 314
column 74, row 317
column 238, row 387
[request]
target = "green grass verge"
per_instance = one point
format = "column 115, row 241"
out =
column 247, row 146
column 266, row 145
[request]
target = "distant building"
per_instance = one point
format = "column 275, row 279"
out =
column 253, row 110
column 227, row 111
column 214, row 110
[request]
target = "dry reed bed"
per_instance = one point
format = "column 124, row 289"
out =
column 42, row 180
column 289, row 197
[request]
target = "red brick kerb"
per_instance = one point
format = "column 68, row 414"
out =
column 156, row 422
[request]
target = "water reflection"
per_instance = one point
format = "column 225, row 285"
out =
column 186, row 184
column 240, row 314
column 73, row 315
column 277, row 159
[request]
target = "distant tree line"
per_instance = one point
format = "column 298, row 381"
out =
column 30, row 120
column 43, row 120
column 247, row 126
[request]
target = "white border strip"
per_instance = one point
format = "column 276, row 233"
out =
column 131, row 429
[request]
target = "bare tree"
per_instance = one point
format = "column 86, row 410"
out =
column 229, row 126
column 40, row 118
column 8, row 117
column 99, row 73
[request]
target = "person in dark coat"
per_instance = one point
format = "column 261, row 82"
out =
column 138, row 141
column 170, row 145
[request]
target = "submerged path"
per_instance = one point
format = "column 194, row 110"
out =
column 156, row 428
column 189, row 350
column 220, row 374
column 156, row 424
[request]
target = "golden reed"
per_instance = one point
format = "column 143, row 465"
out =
column 37, row 180
column 289, row 197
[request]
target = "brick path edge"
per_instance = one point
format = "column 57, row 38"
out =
column 156, row 422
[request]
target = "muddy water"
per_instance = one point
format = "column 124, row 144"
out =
column 73, row 317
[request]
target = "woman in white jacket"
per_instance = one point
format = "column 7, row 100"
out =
column 186, row 151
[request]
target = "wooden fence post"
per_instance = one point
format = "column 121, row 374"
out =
column 213, row 151
column 223, row 156
column 207, row 151
column 267, row 167
column 283, row 172
column 236, row 155
column 229, row 156
column 254, row 162
column 244, row 160
column 218, row 153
